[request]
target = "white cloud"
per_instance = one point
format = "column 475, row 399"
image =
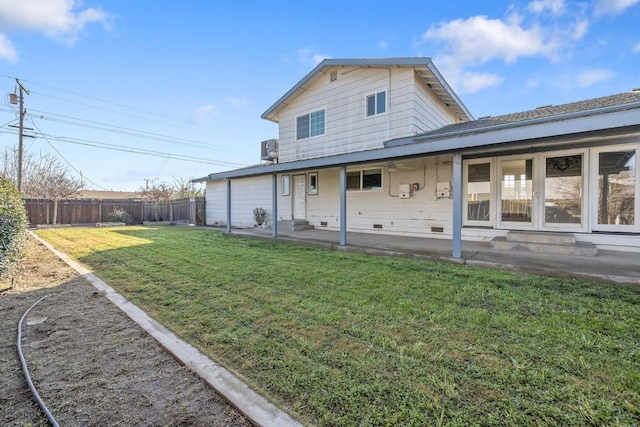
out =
column 61, row 20
column 539, row 6
column 580, row 29
column 587, row 78
column 7, row 49
column 237, row 102
column 205, row 111
column 636, row 48
column 477, row 40
column 613, row 7
column 307, row 57
column 473, row 82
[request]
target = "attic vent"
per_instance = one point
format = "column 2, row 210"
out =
column 635, row 89
column 333, row 75
column 484, row 117
column 544, row 106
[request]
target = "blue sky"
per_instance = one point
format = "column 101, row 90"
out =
column 191, row 78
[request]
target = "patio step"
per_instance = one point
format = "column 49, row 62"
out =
column 541, row 237
column 294, row 225
column 546, row 243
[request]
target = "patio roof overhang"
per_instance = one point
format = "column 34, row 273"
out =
column 610, row 122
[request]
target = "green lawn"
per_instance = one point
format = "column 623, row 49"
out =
column 343, row 339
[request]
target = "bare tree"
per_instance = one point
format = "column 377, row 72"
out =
column 44, row 177
column 157, row 192
column 184, row 188
column 49, row 179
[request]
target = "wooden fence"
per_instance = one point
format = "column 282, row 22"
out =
column 90, row 211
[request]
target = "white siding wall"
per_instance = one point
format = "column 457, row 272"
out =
column 347, row 129
column 431, row 113
column 414, row 216
column 246, row 194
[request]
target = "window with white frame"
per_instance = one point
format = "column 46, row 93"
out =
column 310, row 125
column 376, row 103
column 313, row 183
column 285, row 185
column 365, row 179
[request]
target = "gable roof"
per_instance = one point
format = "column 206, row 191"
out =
column 539, row 115
column 423, row 65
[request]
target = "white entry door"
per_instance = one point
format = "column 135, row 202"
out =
column 299, row 197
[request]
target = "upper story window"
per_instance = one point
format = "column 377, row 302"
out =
column 376, row 103
column 310, row 125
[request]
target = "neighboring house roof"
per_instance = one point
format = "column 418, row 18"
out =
column 424, row 67
column 594, row 115
column 111, row 195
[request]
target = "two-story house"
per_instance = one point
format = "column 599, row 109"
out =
column 386, row 146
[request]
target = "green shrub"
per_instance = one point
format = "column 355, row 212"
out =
column 120, row 215
column 13, row 226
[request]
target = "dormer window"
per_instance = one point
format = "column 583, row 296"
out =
column 310, row 125
column 376, row 103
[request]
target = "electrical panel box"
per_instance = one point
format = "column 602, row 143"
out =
column 404, row 191
column 443, row 190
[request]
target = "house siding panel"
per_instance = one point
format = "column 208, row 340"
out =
column 412, row 217
column 246, row 195
column 346, row 127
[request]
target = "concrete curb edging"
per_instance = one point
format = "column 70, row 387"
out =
column 255, row 407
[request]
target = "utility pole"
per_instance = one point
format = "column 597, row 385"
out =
column 21, row 133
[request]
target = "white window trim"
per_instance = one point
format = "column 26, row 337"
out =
column 361, row 171
column 375, row 94
column 310, row 191
column 285, row 190
column 295, row 124
column 593, row 189
column 492, row 192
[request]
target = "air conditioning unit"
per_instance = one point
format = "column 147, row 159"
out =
column 269, row 149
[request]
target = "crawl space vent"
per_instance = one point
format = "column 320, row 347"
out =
column 333, row 75
column 323, row 223
column 377, row 226
column 437, row 229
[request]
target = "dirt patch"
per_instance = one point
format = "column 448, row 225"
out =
column 91, row 364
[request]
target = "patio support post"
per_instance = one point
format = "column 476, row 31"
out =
column 457, row 205
column 228, row 205
column 343, row 205
column 274, row 206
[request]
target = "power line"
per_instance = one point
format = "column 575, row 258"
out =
column 106, row 102
column 65, row 159
column 90, row 124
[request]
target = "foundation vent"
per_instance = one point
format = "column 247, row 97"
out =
column 323, row 223
column 437, row 229
column 377, row 226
